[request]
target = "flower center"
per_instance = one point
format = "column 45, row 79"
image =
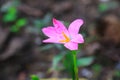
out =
column 67, row 39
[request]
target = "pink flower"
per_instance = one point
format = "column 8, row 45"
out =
column 59, row 34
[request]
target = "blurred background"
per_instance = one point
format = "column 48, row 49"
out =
column 23, row 54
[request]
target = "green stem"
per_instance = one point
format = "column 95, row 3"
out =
column 74, row 53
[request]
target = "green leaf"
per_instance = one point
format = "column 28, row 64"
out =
column 56, row 60
column 97, row 67
column 12, row 10
column 10, row 15
column 9, row 18
column 14, row 28
column 68, row 63
column 84, row 61
column 21, row 22
column 34, row 77
column 117, row 73
column 102, row 7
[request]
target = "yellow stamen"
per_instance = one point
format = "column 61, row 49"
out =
column 67, row 39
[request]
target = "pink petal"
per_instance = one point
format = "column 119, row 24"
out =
column 75, row 26
column 71, row 45
column 53, row 35
column 51, row 40
column 77, row 38
column 59, row 26
column 49, row 31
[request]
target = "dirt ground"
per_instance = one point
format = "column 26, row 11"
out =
column 22, row 53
